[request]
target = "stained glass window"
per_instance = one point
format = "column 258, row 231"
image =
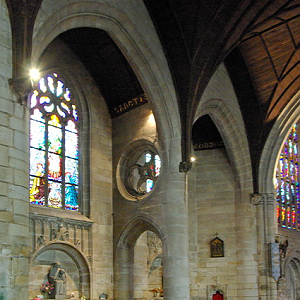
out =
column 287, row 183
column 144, row 173
column 54, row 140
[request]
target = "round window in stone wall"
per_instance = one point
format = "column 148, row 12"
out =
column 138, row 171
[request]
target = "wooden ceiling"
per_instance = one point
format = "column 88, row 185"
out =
column 257, row 39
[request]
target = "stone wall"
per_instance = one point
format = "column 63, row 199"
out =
column 14, row 207
column 215, row 190
column 219, row 189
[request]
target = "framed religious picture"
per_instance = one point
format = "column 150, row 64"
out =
column 217, row 248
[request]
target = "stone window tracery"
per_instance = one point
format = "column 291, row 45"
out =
column 54, row 163
column 143, row 174
column 138, row 171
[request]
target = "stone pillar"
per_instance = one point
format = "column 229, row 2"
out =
column 175, row 243
column 14, row 202
column 124, row 278
column 246, row 236
column 270, row 206
column 141, row 254
column 266, row 235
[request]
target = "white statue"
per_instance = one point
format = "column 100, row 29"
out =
column 58, row 278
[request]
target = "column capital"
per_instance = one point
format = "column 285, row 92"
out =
column 185, row 166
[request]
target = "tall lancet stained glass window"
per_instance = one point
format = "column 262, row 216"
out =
column 287, row 183
column 53, row 145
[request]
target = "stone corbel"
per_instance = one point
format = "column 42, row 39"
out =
column 21, row 87
column 256, row 198
column 283, row 245
column 185, row 166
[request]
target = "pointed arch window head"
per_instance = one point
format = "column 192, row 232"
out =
column 287, row 183
column 54, row 165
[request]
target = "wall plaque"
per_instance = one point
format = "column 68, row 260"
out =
column 217, row 247
column 275, row 260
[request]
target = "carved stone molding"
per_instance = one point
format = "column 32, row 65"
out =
column 22, row 15
column 258, row 198
column 46, row 229
column 21, row 88
column 154, row 242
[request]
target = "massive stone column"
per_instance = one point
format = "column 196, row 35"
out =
column 123, row 273
column 14, row 202
column 14, row 147
column 176, row 242
column 246, row 249
column 266, row 235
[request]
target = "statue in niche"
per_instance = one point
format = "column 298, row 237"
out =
column 41, row 240
column 58, row 278
column 54, row 234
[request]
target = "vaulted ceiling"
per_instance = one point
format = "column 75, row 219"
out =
column 257, row 39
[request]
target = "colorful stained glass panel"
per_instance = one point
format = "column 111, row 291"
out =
column 33, row 99
column 37, row 134
column 71, row 145
column 37, row 115
column 287, row 183
column 54, row 166
column 42, row 85
column 54, row 121
column 54, row 140
column 53, row 130
column 37, row 160
column 59, row 89
column 149, row 185
column 71, row 197
column 51, row 84
column 67, row 94
column 71, row 170
column 55, row 194
column 37, row 190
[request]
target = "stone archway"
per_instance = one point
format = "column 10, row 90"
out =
column 71, row 259
column 291, row 273
column 124, row 256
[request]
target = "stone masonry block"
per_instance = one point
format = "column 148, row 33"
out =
column 6, row 216
column 17, row 192
column 6, row 136
column 6, row 106
column 20, row 140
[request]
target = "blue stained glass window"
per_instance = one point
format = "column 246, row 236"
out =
column 54, row 166
column 287, row 183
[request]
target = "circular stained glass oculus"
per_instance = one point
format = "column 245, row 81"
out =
column 138, row 172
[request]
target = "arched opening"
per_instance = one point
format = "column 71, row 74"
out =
column 76, row 269
column 292, row 276
column 138, row 263
column 148, row 266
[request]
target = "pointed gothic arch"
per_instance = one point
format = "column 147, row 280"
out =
column 136, row 51
column 233, row 136
column 124, row 255
column 272, row 148
column 291, row 272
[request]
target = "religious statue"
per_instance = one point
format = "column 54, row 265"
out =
column 57, row 277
